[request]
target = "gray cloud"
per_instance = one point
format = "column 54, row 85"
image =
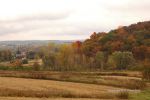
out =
column 78, row 23
column 41, row 16
column 29, row 23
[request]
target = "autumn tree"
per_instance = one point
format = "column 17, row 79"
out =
column 134, row 38
column 77, row 47
column 146, row 70
column 31, row 54
column 49, row 61
column 17, row 63
column 36, row 66
column 92, row 46
column 141, row 52
column 100, row 59
column 122, row 60
column 65, row 57
column 5, row 55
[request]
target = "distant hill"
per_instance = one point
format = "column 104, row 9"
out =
column 16, row 44
column 134, row 38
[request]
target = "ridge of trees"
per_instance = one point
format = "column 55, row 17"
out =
column 134, row 38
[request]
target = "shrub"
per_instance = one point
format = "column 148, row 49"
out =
column 146, row 73
column 17, row 63
column 123, row 95
column 24, row 61
column 137, row 84
column 146, row 70
column 36, row 66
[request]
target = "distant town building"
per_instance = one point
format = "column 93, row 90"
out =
column 20, row 55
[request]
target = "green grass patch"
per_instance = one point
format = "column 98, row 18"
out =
column 17, row 68
column 144, row 95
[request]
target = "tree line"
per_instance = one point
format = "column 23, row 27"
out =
column 127, row 47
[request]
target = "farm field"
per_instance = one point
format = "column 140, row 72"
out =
column 17, row 85
column 116, row 79
column 46, row 88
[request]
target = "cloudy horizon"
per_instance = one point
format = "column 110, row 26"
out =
column 67, row 19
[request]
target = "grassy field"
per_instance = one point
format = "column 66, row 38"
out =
column 45, row 85
column 19, row 87
column 117, row 79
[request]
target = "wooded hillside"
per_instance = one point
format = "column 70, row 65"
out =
column 134, row 38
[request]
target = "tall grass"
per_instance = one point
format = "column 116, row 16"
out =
column 77, row 77
column 146, row 73
column 51, row 93
column 15, row 68
column 129, row 84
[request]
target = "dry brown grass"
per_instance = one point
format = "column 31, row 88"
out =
column 6, row 92
column 126, row 82
column 24, row 98
column 51, row 94
column 123, row 95
column 103, row 78
column 101, row 86
column 18, row 87
column 31, row 62
column 49, row 73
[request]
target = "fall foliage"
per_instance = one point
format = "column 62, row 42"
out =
column 134, row 38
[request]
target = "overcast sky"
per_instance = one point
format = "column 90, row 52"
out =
column 67, row 19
